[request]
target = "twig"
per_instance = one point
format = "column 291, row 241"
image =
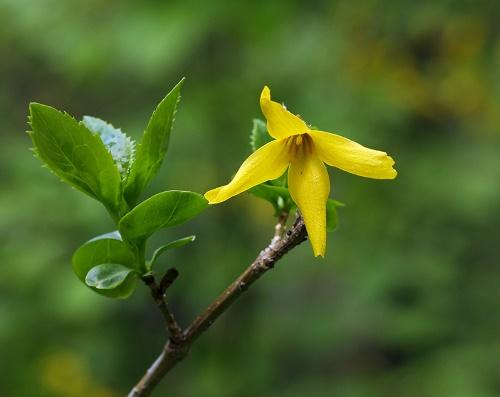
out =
column 157, row 293
column 169, row 277
column 176, row 349
column 279, row 229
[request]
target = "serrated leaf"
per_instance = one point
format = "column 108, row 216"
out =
column 108, row 276
column 118, row 144
column 75, row 155
column 107, row 248
column 259, row 135
column 162, row 210
column 173, row 244
column 153, row 146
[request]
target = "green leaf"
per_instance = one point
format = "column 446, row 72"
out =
column 118, row 144
column 173, row 244
column 259, row 135
column 115, row 235
column 163, row 210
column 278, row 196
column 281, row 200
column 107, row 248
column 331, row 214
column 108, row 276
column 75, row 155
column 153, row 146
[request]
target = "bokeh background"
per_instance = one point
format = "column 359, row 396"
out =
column 407, row 301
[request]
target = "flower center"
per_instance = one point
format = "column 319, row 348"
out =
column 299, row 145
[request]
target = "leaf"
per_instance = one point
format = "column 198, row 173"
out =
column 173, row 244
column 163, row 210
column 281, row 200
column 331, row 214
column 118, row 144
column 282, row 181
column 74, row 154
column 153, row 146
column 278, row 196
column 259, row 135
column 115, row 235
column 108, row 276
column 107, row 248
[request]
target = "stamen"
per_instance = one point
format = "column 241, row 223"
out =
column 299, row 145
column 290, row 147
column 308, row 144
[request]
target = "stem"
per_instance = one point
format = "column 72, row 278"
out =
column 279, row 229
column 175, row 350
column 140, row 250
column 157, row 293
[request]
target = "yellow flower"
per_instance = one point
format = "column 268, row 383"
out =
column 303, row 152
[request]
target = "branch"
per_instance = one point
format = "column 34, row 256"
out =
column 279, row 229
column 176, row 349
column 158, row 294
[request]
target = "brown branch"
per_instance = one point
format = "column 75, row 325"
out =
column 176, row 349
column 158, row 294
column 168, row 278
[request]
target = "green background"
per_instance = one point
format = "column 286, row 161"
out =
column 407, row 301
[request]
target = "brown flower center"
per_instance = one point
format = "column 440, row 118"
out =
column 300, row 144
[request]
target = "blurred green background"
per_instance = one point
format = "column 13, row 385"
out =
column 407, row 301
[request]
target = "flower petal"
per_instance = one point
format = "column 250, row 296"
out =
column 309, row 187
column 268, row 162
column 350, row 156
column 280, row 122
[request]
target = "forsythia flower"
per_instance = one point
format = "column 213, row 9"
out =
column 303, row 152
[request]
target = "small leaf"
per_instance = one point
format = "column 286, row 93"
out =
column 107, row 248
column 118, row 144
column 259, row 135
column 278, row 196
column 108, row 276
column 282, row 181
column 331, row 214
column 153, row 146
column 75, row 155
column 281, row 200
column 163, row 210
column 173, row 244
